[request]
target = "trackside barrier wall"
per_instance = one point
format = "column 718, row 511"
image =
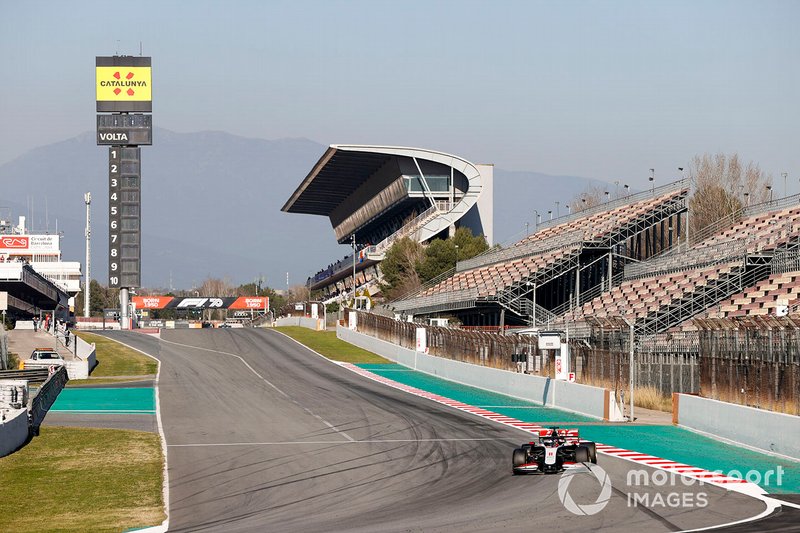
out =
column 13, row 429
column 317, row 324
column 591, row 401
column 45, row 398
column 764, row 430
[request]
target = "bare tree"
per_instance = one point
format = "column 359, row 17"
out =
column 591, row 197
column 298, row 293
column 215, row 287
column 722, row 186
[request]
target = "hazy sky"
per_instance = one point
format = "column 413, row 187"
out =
column 604, row 90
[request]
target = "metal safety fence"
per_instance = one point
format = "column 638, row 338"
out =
column 751, row 361
column 754, row 367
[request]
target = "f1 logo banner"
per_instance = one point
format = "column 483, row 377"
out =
column 255, row 303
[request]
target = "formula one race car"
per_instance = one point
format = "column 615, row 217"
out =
column 553, row 451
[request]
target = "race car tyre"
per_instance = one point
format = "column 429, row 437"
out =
column 592, row 451
column 581, row 454
column 519, row 457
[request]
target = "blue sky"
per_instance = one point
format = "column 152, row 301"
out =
column 603, row 90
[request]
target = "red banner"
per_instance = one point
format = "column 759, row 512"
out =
column 250, row 302
column 151, row 302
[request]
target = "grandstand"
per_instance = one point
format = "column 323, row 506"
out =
column 374, row 195
column 551, row 268
column 628, row 259
column 736, row 267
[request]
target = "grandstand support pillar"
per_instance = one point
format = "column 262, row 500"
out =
column 424, row 182
column 123, row 308
column 610, row 268
column 502, row 321
column 578, row 286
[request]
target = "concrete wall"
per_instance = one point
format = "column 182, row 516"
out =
column 583, row 399
column 13, row 429
column 310, row 323
column 76, row 368
column 764, row 430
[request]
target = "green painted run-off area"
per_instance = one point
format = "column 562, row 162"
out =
column 133, row 400
column 667, row 441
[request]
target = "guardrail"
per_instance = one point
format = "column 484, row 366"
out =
column 36, row 375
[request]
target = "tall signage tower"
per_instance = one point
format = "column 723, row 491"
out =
column 124, row 122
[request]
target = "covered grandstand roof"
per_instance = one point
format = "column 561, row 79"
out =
column 338, row 173
column 371, row 191
column 28, row 291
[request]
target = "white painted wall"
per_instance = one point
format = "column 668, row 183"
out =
column 769, row 431
column 13, row 429
column 310, row 323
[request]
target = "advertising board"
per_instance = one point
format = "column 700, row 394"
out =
column 29, row 244
column 123, row 84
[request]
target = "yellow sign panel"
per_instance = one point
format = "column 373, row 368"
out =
column 124, row 84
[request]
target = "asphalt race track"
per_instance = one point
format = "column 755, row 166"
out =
column 264, row 435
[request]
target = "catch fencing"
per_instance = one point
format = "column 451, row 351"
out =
column 753, row 366
column 666, row 364
column 750, row 361
column 480, row 348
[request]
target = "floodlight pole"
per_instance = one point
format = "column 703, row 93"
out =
column 631, row 373
column 86, row 293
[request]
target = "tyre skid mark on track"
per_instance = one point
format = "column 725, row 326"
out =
column 689, row 471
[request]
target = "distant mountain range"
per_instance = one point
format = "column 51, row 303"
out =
column 211, row 205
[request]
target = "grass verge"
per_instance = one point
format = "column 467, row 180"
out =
column 644, row 397
column 114, row 359
column 81, row 479
column 326, row 343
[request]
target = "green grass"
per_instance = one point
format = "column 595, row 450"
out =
column 105, row 381
column 80, row 479
column 114, row 359
column 326, row 343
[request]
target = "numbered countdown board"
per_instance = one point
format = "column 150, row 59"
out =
column 124, row 217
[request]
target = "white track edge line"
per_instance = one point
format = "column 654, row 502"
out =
column 164, row 526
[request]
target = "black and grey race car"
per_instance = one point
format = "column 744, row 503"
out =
column 553, row 451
